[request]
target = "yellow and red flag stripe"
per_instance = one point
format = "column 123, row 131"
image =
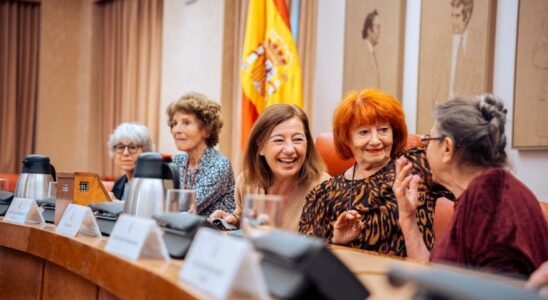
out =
column 271, row 70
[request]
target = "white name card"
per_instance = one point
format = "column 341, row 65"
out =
column 24, row 210
column 220, row 264
column 135, row 237
column 78, row 219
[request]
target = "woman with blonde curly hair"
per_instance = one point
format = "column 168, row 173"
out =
column 195, row 123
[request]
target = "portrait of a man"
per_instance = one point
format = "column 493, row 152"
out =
column 466, row 57
column 530, row 126
column 373, row 45
column 371, row 32
column 540, row 62
column 455, row 59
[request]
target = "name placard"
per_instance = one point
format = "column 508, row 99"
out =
column 24, row 210
column 135, row 237
column 219, row 264
column 78, row 219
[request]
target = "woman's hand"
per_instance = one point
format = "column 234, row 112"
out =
column 405, row 189
column 347, row 227
column 539, row 280
column 220, row 214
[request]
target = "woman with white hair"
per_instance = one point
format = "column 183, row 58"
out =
column 125, row 144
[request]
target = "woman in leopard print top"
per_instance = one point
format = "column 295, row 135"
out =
column 358, row 208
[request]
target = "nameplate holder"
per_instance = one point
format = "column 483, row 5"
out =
column 78, row 219
column 24, row 210
column 135, row 237
column 222, row 265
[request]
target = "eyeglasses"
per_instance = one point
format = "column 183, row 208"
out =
column 131, row 148
column 425, row 139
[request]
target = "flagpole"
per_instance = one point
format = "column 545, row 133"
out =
column 295, row 6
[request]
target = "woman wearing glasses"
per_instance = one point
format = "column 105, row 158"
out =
column 498, row 224
column 358, row 208
column 125, row 144
column 195, row 123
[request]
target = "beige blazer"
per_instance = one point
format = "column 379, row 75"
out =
column 292, row 207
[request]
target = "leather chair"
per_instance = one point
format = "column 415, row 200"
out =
column 12, row 180
column 442, row 217
column 326, row 148
column 336, row 165
column 108, row 185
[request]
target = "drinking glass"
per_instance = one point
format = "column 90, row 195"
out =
column 262, row 213
column 3, row 184
column 52, row 190
column 178, row 200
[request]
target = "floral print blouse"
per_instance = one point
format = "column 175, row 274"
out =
column 213, row 181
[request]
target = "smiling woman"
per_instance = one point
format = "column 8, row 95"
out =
column 358, row 208
column 280, row 159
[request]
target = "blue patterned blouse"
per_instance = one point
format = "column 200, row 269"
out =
column 213, row 181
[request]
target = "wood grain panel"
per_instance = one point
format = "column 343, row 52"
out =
column 20, row 275
column 60, row 284
column 86, row 267
column 105, row 295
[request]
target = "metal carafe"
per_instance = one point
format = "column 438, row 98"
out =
column 147, row 189
column 36, row 174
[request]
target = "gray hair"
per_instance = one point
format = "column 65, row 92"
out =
column 136, row 133
column 476, row 125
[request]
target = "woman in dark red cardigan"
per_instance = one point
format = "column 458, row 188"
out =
column 498, row 223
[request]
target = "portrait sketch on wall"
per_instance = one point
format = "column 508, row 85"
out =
column 373, row 47
column 456, row 53
column 530, row 126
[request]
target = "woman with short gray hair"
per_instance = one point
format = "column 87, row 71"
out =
column 498, row 224
column 124, row 145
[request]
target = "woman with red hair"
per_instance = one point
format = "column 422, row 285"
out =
column 358, row 208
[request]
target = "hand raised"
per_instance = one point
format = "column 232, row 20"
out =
column 347, row 227
column 405, row 189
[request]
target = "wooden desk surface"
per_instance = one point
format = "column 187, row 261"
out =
column 37, row 263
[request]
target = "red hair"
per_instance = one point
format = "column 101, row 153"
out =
column 366, row 108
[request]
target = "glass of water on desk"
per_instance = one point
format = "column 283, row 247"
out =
column 261, row 214
column 178, row 200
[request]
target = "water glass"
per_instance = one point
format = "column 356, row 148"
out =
column 178, row 200
column 3, row 184
column 261, row 214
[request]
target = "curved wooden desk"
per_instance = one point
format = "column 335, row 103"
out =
column 37, row 263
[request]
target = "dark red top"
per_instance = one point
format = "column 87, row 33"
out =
column 498, row 225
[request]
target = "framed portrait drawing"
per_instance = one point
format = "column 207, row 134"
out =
column 373, row 46
column 530, row 126
column 456, row 53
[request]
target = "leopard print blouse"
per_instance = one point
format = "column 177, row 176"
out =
column 374, row 199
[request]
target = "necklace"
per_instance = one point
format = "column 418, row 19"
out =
column 193, row 177
column 352, row 186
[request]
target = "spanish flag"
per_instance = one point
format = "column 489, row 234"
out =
column 271, row 70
